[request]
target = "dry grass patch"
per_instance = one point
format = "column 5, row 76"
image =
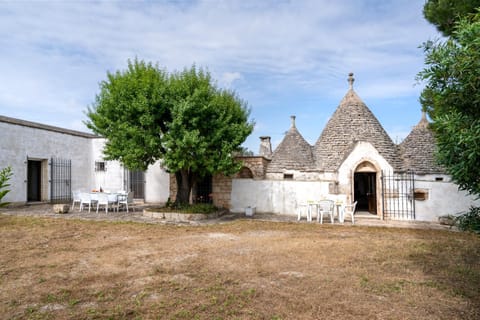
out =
column 64, row 269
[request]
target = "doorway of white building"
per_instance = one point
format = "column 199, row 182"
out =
column 136, row 183
column 365, row 191
column 34, row 180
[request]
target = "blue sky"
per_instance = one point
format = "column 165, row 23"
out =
column 283, row 57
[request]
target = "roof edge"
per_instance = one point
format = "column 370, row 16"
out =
column 42, row 126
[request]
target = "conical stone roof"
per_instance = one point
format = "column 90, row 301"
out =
column 293, row 153
column 352, row 122
column 418, row 149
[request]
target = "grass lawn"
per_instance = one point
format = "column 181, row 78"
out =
column 68, row 269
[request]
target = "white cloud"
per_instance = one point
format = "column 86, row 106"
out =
column 55, row 53
column 228, row 78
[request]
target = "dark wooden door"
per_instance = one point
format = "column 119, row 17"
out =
column 365, row 191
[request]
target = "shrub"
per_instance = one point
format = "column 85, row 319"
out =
column 470, row 221
column 193, row 208
column 5, row 175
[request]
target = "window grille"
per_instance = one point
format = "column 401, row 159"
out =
column 100, row 166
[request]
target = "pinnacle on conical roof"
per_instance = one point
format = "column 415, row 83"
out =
column 352, row 122
column 293, row 153
column 351, row 80
column 418, row 149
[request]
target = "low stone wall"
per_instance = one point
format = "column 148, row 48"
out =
column 179, row 217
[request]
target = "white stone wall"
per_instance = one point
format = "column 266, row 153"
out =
column 275, row 196
column 20, row 143
column 157, row 188
column 444, row 198
column 157, row 180
column 112, row 179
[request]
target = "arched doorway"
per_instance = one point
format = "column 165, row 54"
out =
column 365, row 187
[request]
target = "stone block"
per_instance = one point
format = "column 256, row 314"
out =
column 61, row 208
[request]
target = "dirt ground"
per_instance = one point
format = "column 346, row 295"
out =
column 243, row 269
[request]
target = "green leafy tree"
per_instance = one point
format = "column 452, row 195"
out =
column 181, row 118
column 132, row 111
column 452, row 99
column 444, row 14
column 5, row 175
column 208, row 125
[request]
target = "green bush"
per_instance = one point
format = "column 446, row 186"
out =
column 5, row 175
column 193, row 208
column 470, row 221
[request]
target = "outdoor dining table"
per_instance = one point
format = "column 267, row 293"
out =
column 118, row 196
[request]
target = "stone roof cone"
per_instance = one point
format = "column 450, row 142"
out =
column 418, row 149
column 352, row 122
column 293, row 153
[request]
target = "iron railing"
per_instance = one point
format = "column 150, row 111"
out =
column 60, row 180
column 398, row 195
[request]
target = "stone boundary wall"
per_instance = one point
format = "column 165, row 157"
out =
column 221, row 190
column 222, row 185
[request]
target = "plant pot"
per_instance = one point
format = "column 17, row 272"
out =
column 250, row 211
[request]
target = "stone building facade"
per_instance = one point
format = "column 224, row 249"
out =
column 353, row 160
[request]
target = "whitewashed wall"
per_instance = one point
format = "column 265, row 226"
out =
column 112, row 179
column 277, row 196
column 157, row 186
column 19, row 143
column 157, row 181
column 444, row 198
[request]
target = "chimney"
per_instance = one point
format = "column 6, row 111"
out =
column 265, row 147
column 292, row 118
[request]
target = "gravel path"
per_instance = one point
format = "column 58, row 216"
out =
column 46, row 210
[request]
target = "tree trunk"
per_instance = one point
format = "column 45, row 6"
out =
column 185, row 180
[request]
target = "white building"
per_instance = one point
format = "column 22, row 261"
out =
column 353, row 160
column 48, row 163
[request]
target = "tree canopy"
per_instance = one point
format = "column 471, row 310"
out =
column 444, row 14
column 182, row 118
column 452, row 99
column 132, row 111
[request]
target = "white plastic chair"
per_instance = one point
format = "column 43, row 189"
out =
column 303, row 209
column 127, row 201
column 76, row 198
column 325, row 207
column 350, row 209
column 85, row 199
column 106, row 200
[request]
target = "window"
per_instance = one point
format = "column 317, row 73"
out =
column 100, row 166
column 288, row 176
column 420, row 194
